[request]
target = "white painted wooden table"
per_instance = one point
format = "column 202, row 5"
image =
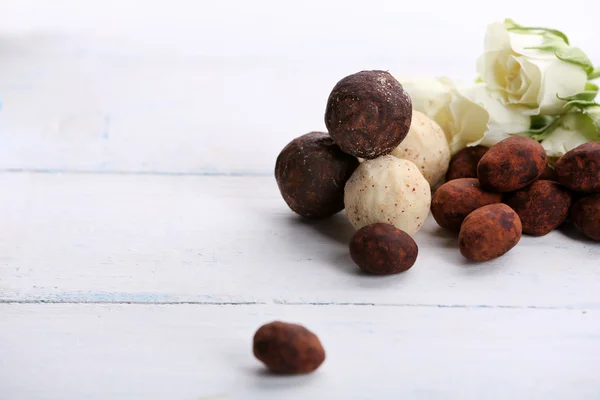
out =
column 143, row 239
column 133, row 286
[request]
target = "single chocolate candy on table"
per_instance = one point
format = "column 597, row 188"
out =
column 383, row 249
column 368, row 114
column 489, row 232
column 287, row 348
column 311, row 172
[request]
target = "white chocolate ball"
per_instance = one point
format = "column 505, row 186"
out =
column 426, row 146
column 388, row 189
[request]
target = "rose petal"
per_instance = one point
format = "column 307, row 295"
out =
column 513, row 81
column 492, row 69
column 481, row 117
column 559, row 78
column 574, row 129
column 532, row 78
column 521, row 45
column 496, row 38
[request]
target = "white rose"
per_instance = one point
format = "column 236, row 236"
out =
column 469, row 115
column 572, row 130
column 522, row 65
column 477, row 116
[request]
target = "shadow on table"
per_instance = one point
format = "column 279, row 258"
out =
column 266, row 379
column 442, row 238
column 336, row 228
column 337, row 232
column 569, row 230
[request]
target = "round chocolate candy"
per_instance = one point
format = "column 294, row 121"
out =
column 383, row 249
column 311, row 172
column 368, row 114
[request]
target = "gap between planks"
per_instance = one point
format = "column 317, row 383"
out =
column 210, row 173
column 288, row 303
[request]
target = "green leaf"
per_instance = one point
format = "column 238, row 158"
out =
column 541, row 126
column 594, row 113
column 591, row 86
column 581, row 104
column 582, row 99
column 541, row 121
column 557, row 42
column 575, row 55
column 583, row 96
column 512, row 26
column 479, row 80
column 542, row 133
column 550, row 43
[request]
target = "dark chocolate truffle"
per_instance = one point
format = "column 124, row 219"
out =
column 579, row 169
column 368, row 114
column 542, row 206
column 287, row 348
column 311, row 172
column 585, row 214
column 511, row 164
column 549, row 174
column 383, row 249
column 456, row 199
column 464, row 163
column 489, row 232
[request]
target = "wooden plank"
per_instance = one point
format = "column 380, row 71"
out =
column 204, row 352
column 170, row 239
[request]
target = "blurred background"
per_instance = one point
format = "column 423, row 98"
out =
column 219, row 87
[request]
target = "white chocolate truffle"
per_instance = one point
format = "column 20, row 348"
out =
column 426, row 146
column 388, row 189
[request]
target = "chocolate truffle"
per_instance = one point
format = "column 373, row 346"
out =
column 542, row 206
column 585, row 214
column 287, row 348
column 511, row 164
column 579, row 168
column 463, row 164
column 489, row 232
column 549, row 174
column 456, row 199
column 311, row 172
column 368, row 114
column 383, row 249
column 390, row 190
column 427, row 147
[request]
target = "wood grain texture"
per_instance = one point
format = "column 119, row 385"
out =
column 193, row 352
column 170, row 239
